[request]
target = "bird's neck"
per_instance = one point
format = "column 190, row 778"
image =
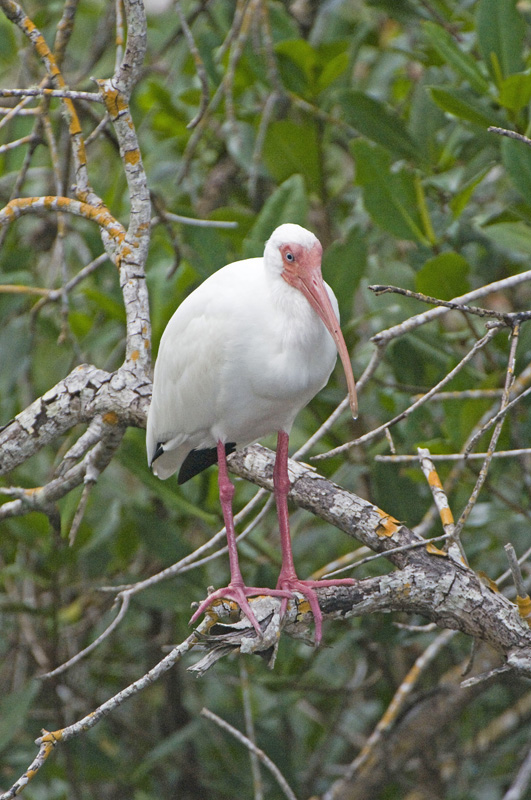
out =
column 293, row 313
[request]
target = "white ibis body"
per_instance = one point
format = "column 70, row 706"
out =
column 238, row 360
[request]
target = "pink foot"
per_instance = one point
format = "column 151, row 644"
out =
column 239, row 595
column 307, row 588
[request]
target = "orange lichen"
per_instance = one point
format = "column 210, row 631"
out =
column 303, row 607
column 132, row 156
column 435, row 551
column 52, row 737
column 488, row 581
column 524, row 608
column 447, row 518
column 110, row 418
column 389, row 525
column 115, row 103
column 434, row 480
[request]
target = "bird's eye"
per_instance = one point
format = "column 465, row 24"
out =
column 290, row 256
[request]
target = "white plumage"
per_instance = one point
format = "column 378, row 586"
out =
column 240, row 357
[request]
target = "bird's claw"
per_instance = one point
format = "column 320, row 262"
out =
column 239, row 595
column 307, row 589
column 285, row 589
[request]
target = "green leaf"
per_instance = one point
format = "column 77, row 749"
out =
column 301, row 53
column 209, row 248
column 168, row 747
column 80, row 323
column 515, row 91
column 332, row 69
column 106, row 303
column 444, row 276
column 426, row 119
column 297, row 63
column 463, row 105
column 461, row 61
column 291, row 148
column 309, row 70
column 516, row 158
column 378, row 123
column 510, row 235
column 459, row 201
column 289, row 203
column 389, row 197
column 343, row 266
column 8, row 42
column 13, row 710
column 501, row 31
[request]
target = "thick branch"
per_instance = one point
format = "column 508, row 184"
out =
column 441, row 589
column 88, row 391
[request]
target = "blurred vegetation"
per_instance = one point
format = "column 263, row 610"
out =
column 366, row 122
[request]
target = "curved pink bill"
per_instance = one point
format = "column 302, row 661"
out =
column 312, row 286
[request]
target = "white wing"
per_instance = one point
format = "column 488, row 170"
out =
column 188, row 385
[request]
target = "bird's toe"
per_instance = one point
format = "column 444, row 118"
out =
column 239, row 595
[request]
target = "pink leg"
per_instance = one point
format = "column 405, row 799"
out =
column 288, row 577
column 236, row 590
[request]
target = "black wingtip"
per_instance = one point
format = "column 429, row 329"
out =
column 158, row 452
column 198, row 460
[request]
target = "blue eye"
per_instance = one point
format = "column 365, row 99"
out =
column 290, row 256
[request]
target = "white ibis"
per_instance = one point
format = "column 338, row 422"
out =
column 238, row 360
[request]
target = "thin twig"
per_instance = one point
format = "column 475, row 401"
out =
column 455, row 548
column 509, row 380
column 12, row 288
column 102, row 124
column 124, row 605
column 53, row 295
column 516, row 572
column 198, row 223
column 18, row 110
column 256, row 160
column 518, row 789
column 493, row 420
column 485, row 676
column 491, row 332
column 507, row 574
column 65, row 28
column 120, row 34
column 249, row 728
column 511, row 134
column 51, row 739
column 465, row 394
column 199, row 66
column 92, row 97
column 183, row 564
column 508, row 319
column 404, row 459
column 422, row 528
column 397, row 703
column 266, row 761
column 4, row 148
column 412, row 323
column 386, row 553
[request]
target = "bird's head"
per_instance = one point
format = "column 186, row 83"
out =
column 296, row 254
